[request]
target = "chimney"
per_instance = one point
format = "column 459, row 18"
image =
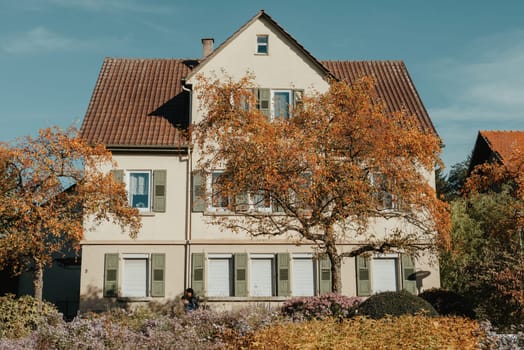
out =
column 207, row 46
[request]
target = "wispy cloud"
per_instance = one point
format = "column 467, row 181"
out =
column 40, row 39
column 482, row 90
column 111, row 6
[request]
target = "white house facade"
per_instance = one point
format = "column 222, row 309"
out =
column 140, row 109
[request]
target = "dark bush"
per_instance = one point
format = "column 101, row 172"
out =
column 319, row 307
column 448, row 303
column 395, row 304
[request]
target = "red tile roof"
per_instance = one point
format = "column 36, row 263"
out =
column 504, row 143
column 394, row 85
column 140, row 102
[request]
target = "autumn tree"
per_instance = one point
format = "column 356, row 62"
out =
column 486, row 259
column 339, row 163
column 48, row 184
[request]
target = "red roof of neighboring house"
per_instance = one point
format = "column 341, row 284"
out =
column 504, row 143
column 141, row 103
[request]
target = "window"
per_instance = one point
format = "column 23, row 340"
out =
column 146, row 188
column 262, row 281
column 385, row 199
column 385, row 272
column 281, row 102
column 303, row 275
column 139, row 190
column 220, row 275
column 218, row 200
column 262, row 44
column 134, row 275
column 276, row 103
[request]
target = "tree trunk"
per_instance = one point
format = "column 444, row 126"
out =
column 336, row 278
column 38, row 284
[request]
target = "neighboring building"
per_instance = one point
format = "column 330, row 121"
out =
column 140, row 108
column 497, row 146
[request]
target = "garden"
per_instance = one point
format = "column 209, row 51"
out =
column 388, row 320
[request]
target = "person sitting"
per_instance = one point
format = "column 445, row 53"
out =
column 190, row 300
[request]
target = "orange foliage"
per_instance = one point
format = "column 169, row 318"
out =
column 405, row 332
column 48, row 184
column 327, row 167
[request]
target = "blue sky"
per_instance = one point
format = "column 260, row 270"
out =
column 466, row 57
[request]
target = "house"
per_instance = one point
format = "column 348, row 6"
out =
column 497, row 146
column 140, row 108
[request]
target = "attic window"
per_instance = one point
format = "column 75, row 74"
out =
column 262, row 44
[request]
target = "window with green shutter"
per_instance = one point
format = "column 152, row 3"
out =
column 198, row 191
column 264, row 101
column 158, row 266
column 159, row 190
column 283, row 283
column 363, row 278
column 241, row 274
column 111, row 275
column 118, row 175
column 409, row 282
column 197, row 273
column 325, row 275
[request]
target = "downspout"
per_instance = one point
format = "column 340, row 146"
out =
column 187, row 245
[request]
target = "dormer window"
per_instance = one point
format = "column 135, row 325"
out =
column 262, row 44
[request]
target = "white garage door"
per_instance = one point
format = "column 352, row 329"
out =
column 261, row 277
column 135, row 278
column 219, row 277
column 384, row 275
column 303, row 277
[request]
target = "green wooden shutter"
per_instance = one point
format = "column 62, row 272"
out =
column 159, row 191
column 199, row 191
column 325, row 275
column 298, row 95
column 241, row 274
column 111, row 275
column 408, row 269
column 363, row 280
column 118, row 175
column 158, row 263
column 197, row 273
column 264, row 101
column 283, row 285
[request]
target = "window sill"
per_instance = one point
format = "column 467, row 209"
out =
column 134, row 299
column 261, row 54
column 231, row 213
column 246, row 299
column 147, row 213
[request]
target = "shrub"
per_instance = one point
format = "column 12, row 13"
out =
column 404, row 332
column 395, row 304
column 19, row 317
column 448, row 303
column 319, row 307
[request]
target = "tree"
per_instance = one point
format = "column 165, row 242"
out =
column 486, row 259
column 340, row 162
column 450, row 187
column 48, row 184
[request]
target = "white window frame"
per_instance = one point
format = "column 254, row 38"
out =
column 147, row 259
column 273, row 101
column 309, row 257
column 221, row 256
column 270, row 257
column 389, row 201
column 209, row 190
column 262, row 44
column 386, row 256
column 129, row 173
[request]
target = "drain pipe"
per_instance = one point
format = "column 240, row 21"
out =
column 187, row 244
